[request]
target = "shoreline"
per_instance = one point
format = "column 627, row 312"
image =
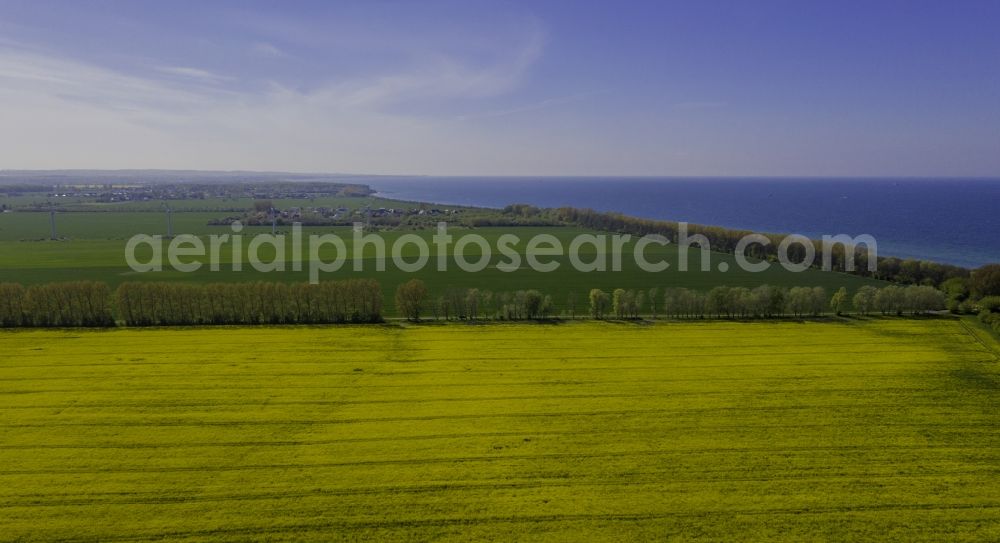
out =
column 842, row 210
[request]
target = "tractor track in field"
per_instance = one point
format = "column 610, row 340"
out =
column 262, row 403
column 989, row 348
column 158, row 498
column 526, row 414
column 403, row 462
column 515, row 519
column 704, row 352
column 506, row 370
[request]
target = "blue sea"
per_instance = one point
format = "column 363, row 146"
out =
column 955, row 221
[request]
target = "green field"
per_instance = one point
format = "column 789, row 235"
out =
column 849, row 429
column 95, row 250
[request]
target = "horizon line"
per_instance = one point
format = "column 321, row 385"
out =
column 15, row 171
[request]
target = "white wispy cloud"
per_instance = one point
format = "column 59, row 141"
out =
column 193, row 73
column 35, row 76
column 530, row 107
column 62, row 112
column 443, row 77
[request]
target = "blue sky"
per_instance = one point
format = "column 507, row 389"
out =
column 791, row 88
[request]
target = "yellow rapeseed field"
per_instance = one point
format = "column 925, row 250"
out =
column 880, row 429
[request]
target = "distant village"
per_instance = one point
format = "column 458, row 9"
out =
column 317, row 203
column 112, row 193
column 264, row 214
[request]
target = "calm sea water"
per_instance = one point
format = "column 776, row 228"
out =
column 956, row 221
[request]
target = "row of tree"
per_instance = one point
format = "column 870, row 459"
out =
column 414, row 301
column 89, row 303
column 764, row 301
column 77, row 303
column 989, row 312
column 897, row 300
column 964, row 294
column 328, row 302
column 768, row 301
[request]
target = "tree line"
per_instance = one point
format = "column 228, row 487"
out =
column 977, row 294
column 328, row 302
column 413, row 301
column 89, row 303
column 989, row 312
column 764, row 301
column 76, row 303
column 964, row 293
